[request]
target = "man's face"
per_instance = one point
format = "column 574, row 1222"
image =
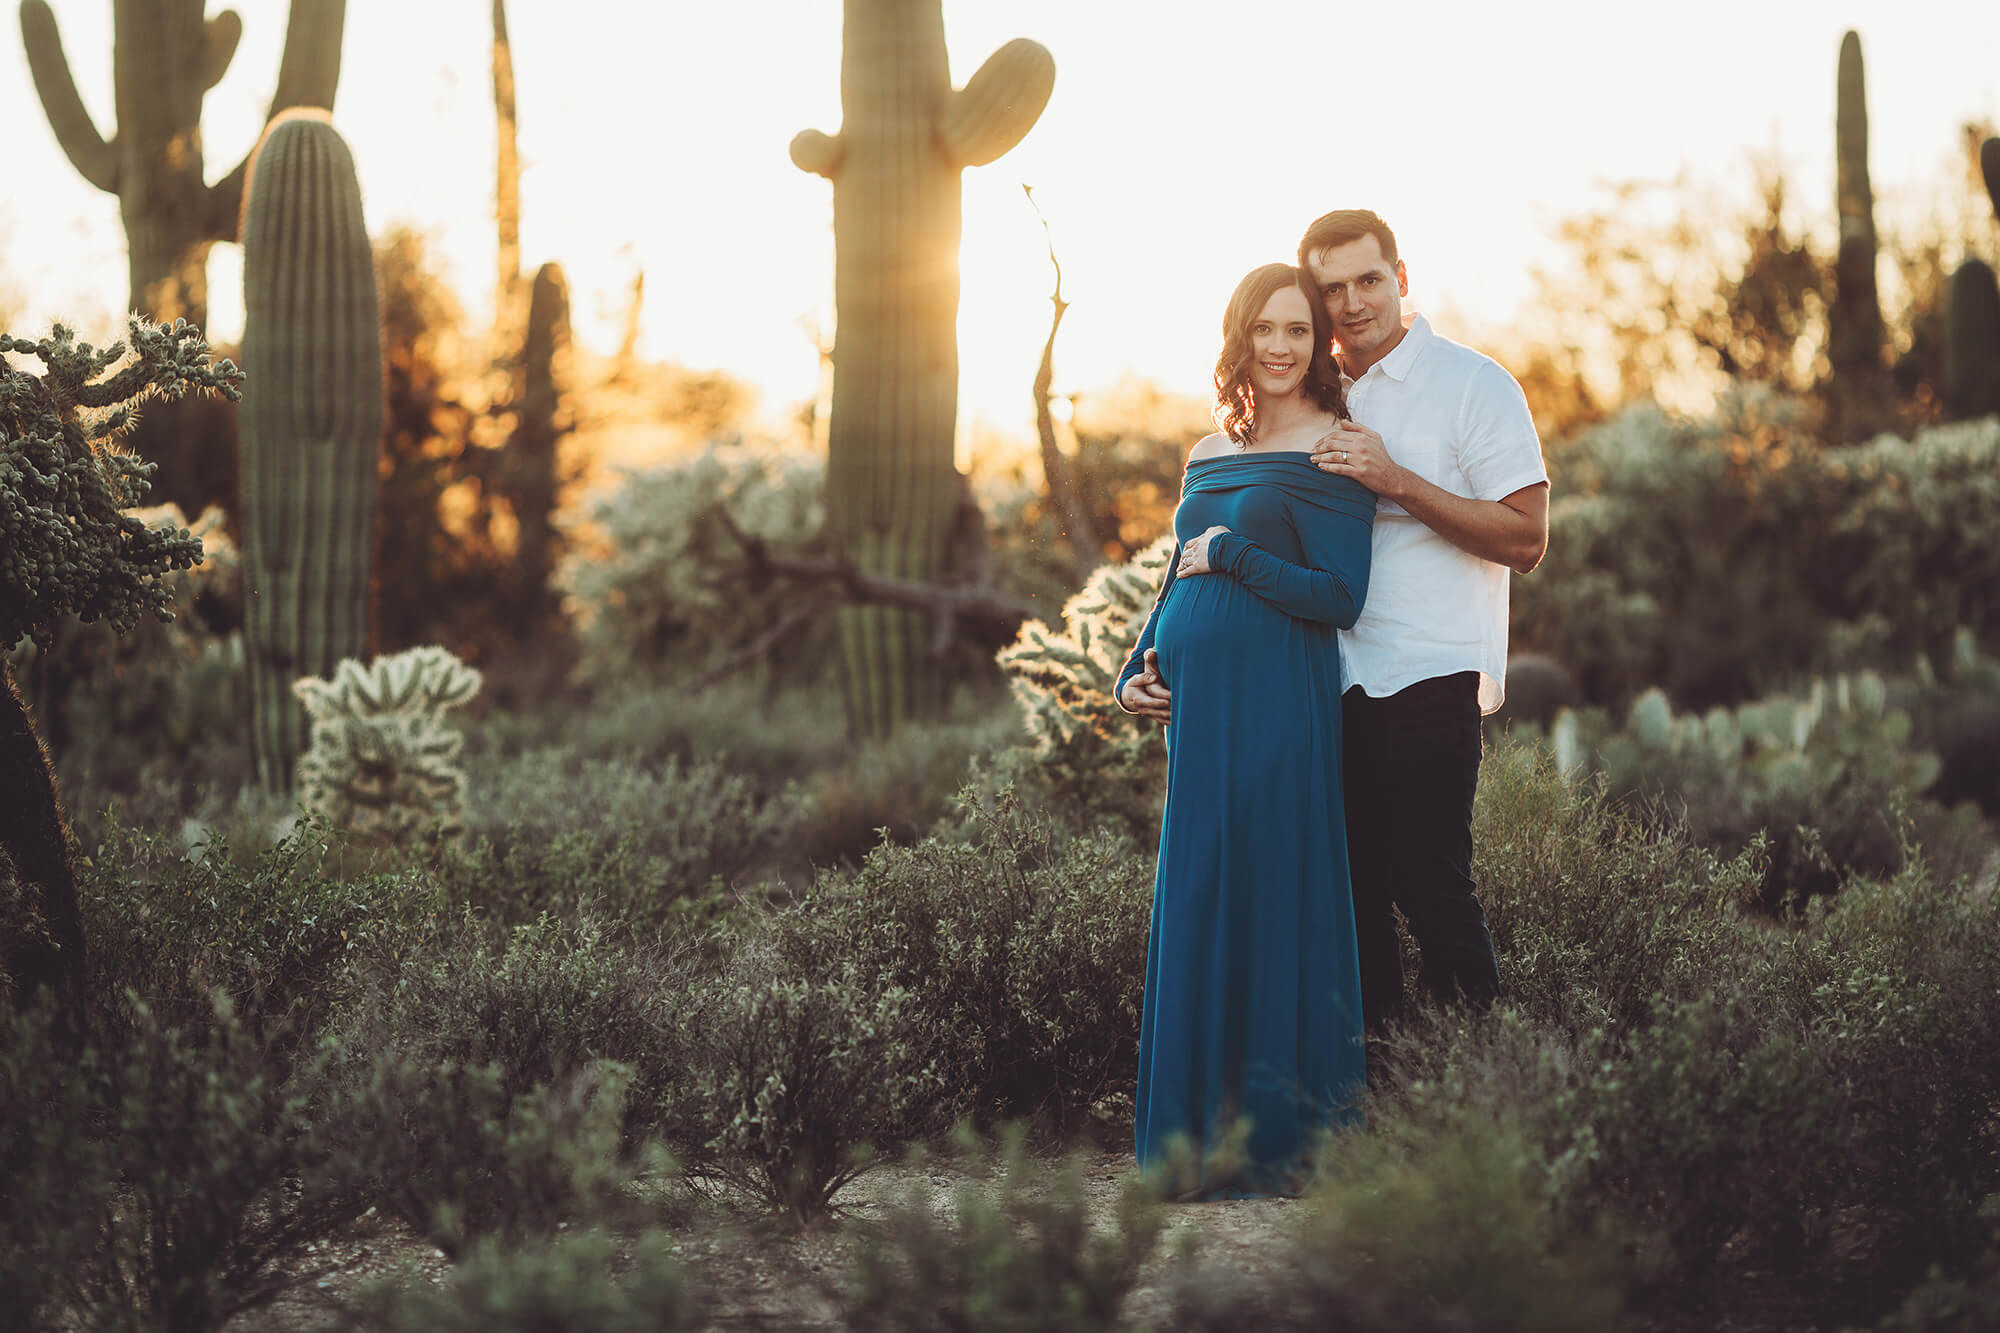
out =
column 1364, row 298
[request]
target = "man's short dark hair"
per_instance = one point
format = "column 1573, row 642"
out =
column 1341, row 226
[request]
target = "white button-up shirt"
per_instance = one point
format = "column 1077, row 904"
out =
column 1456, row 418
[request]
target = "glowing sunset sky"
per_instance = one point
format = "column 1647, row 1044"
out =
column 1178, row 152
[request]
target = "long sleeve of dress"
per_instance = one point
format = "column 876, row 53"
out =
column 1329, row 590
column 1137, row 661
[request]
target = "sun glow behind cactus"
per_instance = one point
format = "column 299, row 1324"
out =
column 1183, row 146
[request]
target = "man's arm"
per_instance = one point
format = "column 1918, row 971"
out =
column 1511, row 531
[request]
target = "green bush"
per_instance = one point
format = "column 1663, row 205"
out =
column 801, row 1082
column 583, row 1282
column 539, row 1007
column 166, row 1177
column 457, row 1153
column 1723, row 559
column 278, row 931
column 1594, row 913
column 1022, row 947
column 1019, row 1252
column 57, row 1171
column 637, row 845
column 896, row 789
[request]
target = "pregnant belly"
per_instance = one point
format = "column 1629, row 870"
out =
column 1213, row 622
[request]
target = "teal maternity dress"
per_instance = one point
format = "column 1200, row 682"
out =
column 1253, row 994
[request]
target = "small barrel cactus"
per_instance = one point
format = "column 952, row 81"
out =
column 383, row 763
column 311, row 424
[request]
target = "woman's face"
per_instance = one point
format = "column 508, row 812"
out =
column 1281, row 343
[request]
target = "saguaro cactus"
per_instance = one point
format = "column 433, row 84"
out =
column 892, row 488
column 1854, row 322
column 312, row 421
column 532, row 472
column 1972, row 325
column 164, row 58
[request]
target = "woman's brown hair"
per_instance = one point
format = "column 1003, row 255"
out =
column 1235, row 396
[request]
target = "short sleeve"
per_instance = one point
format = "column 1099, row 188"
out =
column 1498, row 449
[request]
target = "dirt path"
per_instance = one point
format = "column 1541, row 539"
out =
column 759, row 1274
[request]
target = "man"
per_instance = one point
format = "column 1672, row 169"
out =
column 1450, row 450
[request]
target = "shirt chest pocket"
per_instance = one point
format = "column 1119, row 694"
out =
column 1430, row 457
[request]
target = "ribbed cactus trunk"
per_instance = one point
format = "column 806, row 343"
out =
column 1854, row 321
column 1972, row 322
column 312, row 422
column 165, row 56
column 534, row 464
column 892, row 485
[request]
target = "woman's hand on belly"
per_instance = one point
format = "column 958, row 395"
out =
column 1194, row 554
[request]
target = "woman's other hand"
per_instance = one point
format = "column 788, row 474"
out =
column 1194, row 554
column 1145, row 694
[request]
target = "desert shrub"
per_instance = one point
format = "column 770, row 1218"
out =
column 278, row 931
column 1022, row 947
column 581, row 1282
column 801, row 1081
column 455, row 1151
column 662, row 582
column 772, row 736
column 1420, row 1233
column 896, row 789
column 1018, row 1252
column 1965, row 1304
column 168, row 1173
column 639, row 845
column 1894, row 982
column 1593, row 912
column 539, row 1006
column 57, row 1171
column 1714, row 1126
column 1723, row 559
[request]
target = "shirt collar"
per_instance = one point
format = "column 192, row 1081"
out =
column 1399, row 363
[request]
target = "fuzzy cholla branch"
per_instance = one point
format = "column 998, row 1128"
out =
column 383, row 764
column 67, row 546
column 1064, row 678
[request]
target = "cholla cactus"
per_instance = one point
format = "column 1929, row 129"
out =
column 67, row 547
column 383, row 763
column 1064, row 678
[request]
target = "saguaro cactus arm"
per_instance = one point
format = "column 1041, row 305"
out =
column 88, row 150
column 308, row 74
column 818, row 153
column 1989, row 167
column 219, row 38
column 999, row 104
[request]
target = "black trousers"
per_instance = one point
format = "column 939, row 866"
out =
column 1410, row 766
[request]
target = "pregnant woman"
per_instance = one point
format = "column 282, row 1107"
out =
column 1253, row 1000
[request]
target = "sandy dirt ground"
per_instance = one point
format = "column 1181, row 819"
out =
column 757, row 1273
